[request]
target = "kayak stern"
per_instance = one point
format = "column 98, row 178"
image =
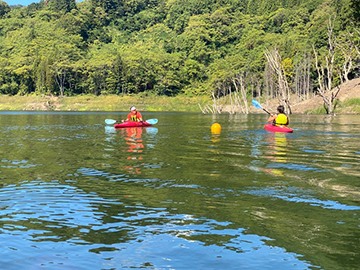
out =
column 283, row 129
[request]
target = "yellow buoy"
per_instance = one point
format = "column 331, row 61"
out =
column 215, row 128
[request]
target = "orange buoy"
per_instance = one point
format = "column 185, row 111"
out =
column 215, row 128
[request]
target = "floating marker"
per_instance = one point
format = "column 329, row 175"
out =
column 215, row 128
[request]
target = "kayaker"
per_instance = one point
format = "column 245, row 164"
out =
column 280, row 119
column 134, row 115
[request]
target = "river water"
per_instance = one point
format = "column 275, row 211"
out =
column 75, row 194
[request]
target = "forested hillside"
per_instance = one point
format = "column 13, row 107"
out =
column 170, row 47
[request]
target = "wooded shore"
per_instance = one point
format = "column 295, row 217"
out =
column 349, row 105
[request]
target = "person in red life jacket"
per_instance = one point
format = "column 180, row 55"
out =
column 134, row 115
column 280, row 119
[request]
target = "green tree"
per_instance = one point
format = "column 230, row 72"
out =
column 355, row 8
column 4, row 9
column 62, row 6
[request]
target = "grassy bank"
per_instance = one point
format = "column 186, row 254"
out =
column 349, row 106
column 102, row 103
column 144, row 103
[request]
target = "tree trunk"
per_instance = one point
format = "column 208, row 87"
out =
column 275, row 63
column 325, row 71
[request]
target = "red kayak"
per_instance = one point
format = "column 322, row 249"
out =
column 132, row 124
column 272, row 128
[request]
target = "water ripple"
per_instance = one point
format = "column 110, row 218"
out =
column 17, row 164
column 38, row 215
column 286, row 195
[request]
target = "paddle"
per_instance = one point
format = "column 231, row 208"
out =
column 112, row 121
column 152, row 121
column 258, row 105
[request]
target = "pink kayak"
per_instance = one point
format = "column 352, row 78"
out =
column 132, row 124
column 271, row 127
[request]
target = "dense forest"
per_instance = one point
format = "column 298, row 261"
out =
column 271, row 48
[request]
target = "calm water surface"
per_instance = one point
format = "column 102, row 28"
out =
column 75, row 194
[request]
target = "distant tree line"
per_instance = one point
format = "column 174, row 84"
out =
column 256, row 48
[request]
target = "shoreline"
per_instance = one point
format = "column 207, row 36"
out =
column 114, row 103
column 108, row 103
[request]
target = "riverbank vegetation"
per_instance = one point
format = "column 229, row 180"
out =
column 91, row 102
column 286, row 50
column 350, row 106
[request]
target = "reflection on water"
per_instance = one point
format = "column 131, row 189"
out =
column 277, row 143
column 135, row 148
column 75, row 194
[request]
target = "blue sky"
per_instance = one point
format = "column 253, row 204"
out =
column 21, row 2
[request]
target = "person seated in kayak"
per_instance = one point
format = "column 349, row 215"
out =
column 280, row 119
column 134, row 115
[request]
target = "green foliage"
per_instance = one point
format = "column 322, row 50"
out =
column 351, row 105
column 288, row 69
column 352, row 101
column 63, row 6
column 318, row 110
column 355, row 10
column 157, row 47
column 4, row 9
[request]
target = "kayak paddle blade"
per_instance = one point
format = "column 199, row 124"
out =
column 257, row 104
column 110, row 121
column 152, row 121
